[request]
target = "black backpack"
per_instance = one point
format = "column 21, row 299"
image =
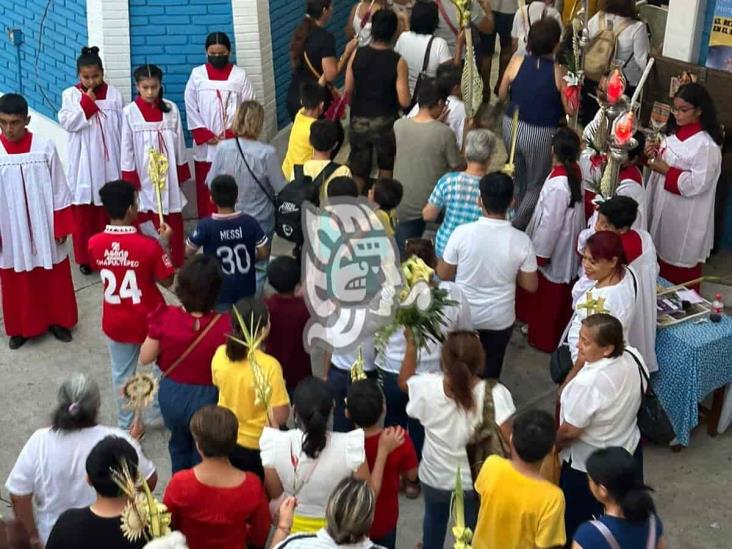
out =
column 288, row 202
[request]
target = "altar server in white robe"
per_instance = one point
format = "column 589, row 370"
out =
column 554, row 227
column 213, row 93
column 35, row 221
column 618, row 215
column 614, row 291
column 686, row 167
column 91, row 113
column 152, row 122
column 630, row 182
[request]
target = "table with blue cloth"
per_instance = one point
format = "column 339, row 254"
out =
column 694, row 360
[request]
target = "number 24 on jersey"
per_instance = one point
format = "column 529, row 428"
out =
column 114, row 293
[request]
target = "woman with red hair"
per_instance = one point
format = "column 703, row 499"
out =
column 615, row 288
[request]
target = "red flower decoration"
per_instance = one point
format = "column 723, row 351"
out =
column 572, row 95
column 615, row 87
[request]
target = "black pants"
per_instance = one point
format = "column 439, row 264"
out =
column 494, row 344
column 247, row 459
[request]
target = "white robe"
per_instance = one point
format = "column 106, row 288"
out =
column 94, row 143
column 682, row 226
column 138, row 136
column 642, row 333
column 211, row 104
column 554, row 228
column 32, row 187
column 620, row 301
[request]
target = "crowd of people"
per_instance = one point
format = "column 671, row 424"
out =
column 322, row 462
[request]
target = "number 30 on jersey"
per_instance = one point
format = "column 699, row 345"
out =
column 128, row 289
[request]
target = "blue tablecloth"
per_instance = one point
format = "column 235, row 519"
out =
column 693, row 361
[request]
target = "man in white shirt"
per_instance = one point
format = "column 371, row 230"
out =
column 487, row 258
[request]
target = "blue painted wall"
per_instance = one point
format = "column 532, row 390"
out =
column 171, row 34
column 59, row 35
column 284, row 16
column 708, row 16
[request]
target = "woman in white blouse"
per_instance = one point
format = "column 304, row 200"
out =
column 449, row 405
column 631, row 53
column 598, row 408
column 412, row 45
column 309, row 461
column 614, row 289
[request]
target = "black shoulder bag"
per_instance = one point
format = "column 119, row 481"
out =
column 422, row 75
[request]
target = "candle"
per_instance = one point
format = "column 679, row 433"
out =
column 615, row 87
column 624, row 128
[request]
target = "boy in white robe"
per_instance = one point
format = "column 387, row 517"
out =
column 35, row 221
column 91, row 113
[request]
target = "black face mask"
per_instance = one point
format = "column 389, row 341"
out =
column 218, row 61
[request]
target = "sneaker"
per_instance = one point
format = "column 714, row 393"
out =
column 85, row 269
column 16, row 342
column 60, row 333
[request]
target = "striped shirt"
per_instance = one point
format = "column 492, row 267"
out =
column 457, row 193
column 321, row 540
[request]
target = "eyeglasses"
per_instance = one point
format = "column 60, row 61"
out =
column 682, row 110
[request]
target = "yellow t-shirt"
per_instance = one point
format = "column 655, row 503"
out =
column 312, row 169
column 235, row 382
column 517, row 511
column 388, row 219
column 299, row 149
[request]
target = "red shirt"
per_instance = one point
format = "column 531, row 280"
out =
column 288, row 316
column 129, row 263
column 175, row 329
column 218, row 518
column 400, row 461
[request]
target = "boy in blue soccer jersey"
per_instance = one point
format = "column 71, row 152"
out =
column 234, row 238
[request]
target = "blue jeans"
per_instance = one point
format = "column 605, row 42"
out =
column 178, row 403
column 437, row 515
column 396, row 410
column 405, row 230
column 339, row 380
column 123, row 357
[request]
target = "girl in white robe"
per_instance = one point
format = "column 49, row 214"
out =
column 554, row 228
column 213, row 93
column 91, row 114
column 151, row 122
column 617, row 215
column 35, row 221
column 686, row 169
column 615, row 290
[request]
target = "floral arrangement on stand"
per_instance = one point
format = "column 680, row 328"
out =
column 144, row 517
column 421, row 307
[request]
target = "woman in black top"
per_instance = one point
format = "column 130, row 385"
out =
column 377, row 79
column 313, row 52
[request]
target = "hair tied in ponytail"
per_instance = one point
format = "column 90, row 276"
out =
column 73, row 408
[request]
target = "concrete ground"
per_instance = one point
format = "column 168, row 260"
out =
column 692, row 487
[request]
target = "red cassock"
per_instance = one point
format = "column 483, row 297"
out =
column 35, row 209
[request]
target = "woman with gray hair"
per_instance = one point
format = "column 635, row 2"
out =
column 457, row 193
column 348, row 515
column 51, row 468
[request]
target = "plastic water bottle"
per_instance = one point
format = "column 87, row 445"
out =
column 717, row 304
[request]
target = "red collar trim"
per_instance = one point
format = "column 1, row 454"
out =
column 559, row 171
column 218, row 74
column 632, row 245
column 18, row 147
column 100, row 91
column 685, row 132
column 631, row 173
column 150, row 112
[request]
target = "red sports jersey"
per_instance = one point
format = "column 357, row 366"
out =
column 129, row 264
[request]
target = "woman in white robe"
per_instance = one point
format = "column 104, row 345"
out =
column 617, row 215
column 686, row 167
column 91, row 114
column 554, row 228
column 213, row 93
column 153, row 123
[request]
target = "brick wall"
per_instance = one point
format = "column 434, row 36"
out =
column 285, row 16
column 172, row 35
column 64, row 33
